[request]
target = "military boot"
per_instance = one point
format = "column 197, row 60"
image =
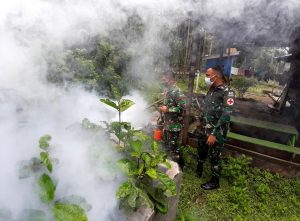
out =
column 200, row 169
column 212, row 184
column 181, row 162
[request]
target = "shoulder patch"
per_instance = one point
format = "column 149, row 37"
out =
column 229, row 98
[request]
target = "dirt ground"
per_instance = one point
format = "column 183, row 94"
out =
column 256, row 107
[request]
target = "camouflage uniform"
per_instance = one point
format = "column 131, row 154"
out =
column 175, row 101
column 215, row 119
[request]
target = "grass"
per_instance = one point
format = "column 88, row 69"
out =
column 261, row 86
column 246, row 193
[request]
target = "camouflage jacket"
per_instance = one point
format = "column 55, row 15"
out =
column 175, row 101
column 217, row 107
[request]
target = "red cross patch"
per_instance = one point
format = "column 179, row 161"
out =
column 230, row 101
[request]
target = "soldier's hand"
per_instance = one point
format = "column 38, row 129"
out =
column 163, row 109
column 211, row 140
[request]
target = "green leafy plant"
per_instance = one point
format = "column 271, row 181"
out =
column 241, row 84
column 239, row 198
column 120, row 105
column 94, row 64
column 146, row 184
column 69, row 208
column 63, row 212
column 263, row 190
column 185, row 216
column 88, row 125
column 235, row 169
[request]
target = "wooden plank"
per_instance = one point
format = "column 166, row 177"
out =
column 273, row 97
column 284, row 167
column 264, row 143
column 265, row 124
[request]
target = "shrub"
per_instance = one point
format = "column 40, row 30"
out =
column 146, row 184
column 241, row 84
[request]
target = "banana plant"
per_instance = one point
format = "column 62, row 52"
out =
column 120, row 104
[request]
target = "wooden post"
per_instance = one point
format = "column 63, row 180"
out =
column 196, row 61
column 187, row 49
column 210, row 46
column 227, row 64
column 188, row 105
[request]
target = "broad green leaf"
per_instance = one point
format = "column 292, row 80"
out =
column 86, row 124
column 46, row 161
column 47, row 188
column 117, row 129
column 32, row 215
column 121, row 136
column 131, row 199
column 147, row 158
column 124, row 190
column 44, row 142
column 154, row 147
column 157, row 197
column 135, row 154
column 125, row 104
column 140, row 169
column 126, row 125
column 115, row 125
column 161, row 207
column 137, row 145
column 159, row 158
column 145, row 198
column 151, row 173
column 76, row 200
column 110, row 103
column 167, row 182
column 68, row 212
column 126, row 166
column 140, row 135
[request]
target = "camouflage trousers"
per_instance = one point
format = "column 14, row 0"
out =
column 171, row 141
column 172, row 146
column 213, row 153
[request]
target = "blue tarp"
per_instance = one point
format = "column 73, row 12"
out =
column 224, row 62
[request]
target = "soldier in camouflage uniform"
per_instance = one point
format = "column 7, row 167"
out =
column 214, row 122
column 172, row 110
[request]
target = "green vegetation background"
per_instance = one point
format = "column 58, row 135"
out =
column 246, row 193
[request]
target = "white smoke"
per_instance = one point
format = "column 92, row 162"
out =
column 31, row 107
